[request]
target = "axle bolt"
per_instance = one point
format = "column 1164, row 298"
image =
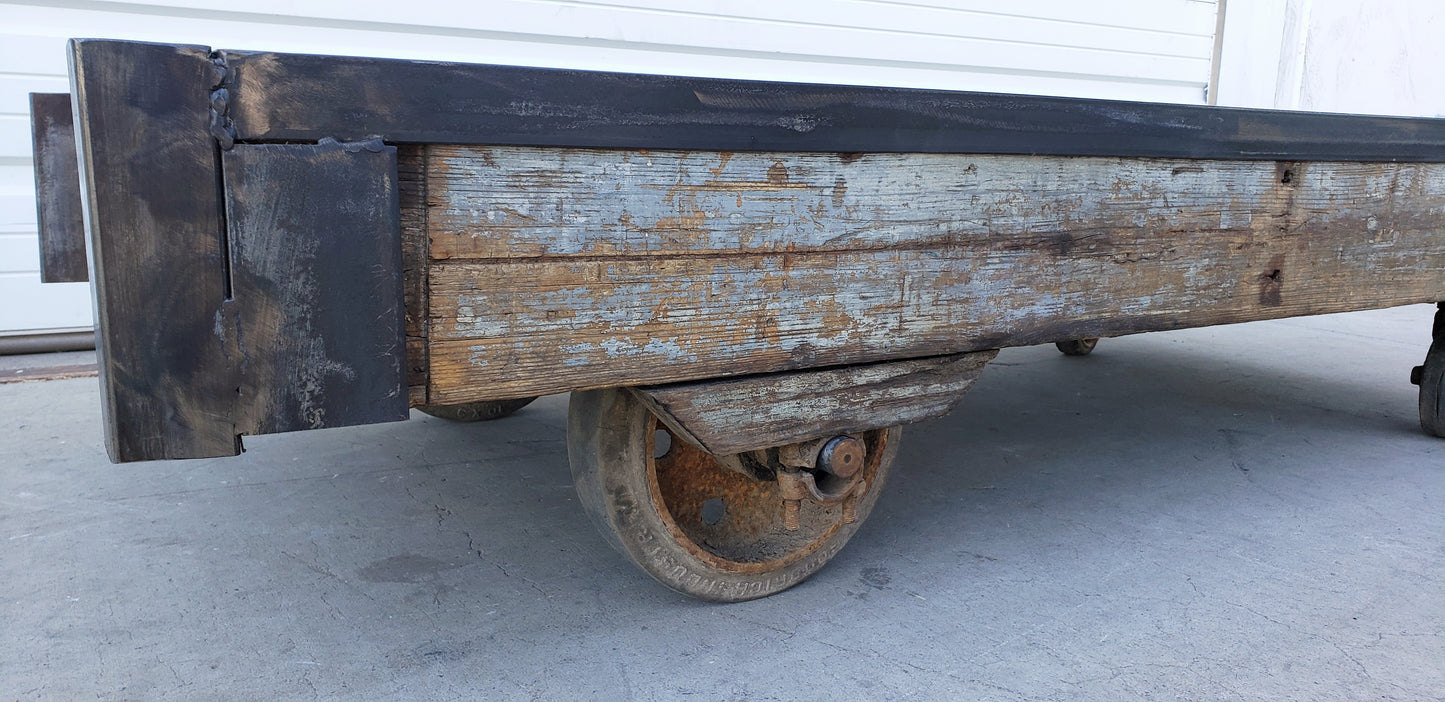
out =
column 841, row 456
column 792, row 514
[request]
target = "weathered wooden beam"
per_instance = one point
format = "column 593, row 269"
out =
column 298, row 97
column 416, row 257
column 757, row 412
column 525, row 203
column 560, row 269
column 59, row 212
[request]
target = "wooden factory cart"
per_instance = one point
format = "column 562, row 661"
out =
column 746, row 286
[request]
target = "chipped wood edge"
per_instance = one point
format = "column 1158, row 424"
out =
column 757, row 412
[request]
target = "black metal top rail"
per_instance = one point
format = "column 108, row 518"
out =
column 286, row 97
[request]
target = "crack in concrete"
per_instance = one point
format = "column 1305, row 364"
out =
column 472, row 546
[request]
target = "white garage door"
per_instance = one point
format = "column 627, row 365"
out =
column 1128, row 49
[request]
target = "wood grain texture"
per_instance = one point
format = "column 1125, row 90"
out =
column 558, row 269
column 150, row 171
column 299, row 97
column 507, row 202
column 59, row 212
column 411, row 186
column 317, row 317
column 758, row 412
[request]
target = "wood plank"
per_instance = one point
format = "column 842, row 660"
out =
column 59, row 213
column 154, row 220
column 758, row 412
column 317, row 280
column 411, row 185
column 298, row 97
column 983, row 252
column 518, row 202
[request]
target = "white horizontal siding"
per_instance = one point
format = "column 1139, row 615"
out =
column 34, row 306
column 17, row 209
column 1335, row 56
column 25, row 53
column 1165, row 16
column 850, row 31
column 19, row 253
column 969, row 51
column 15, row 91
column 1126, row 49
column 14, row 136
column 16, row 176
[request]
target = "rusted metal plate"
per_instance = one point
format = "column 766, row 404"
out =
column 57, row 190
column 555, row 269
column 150, row 170
column 273, row 307
column 317, row 277
column 758, row 412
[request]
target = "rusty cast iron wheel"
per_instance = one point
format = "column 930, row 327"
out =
column 692, row 524
column 477, row 411
column 1077, row 347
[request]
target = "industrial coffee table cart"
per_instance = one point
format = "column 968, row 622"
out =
column 746, row 286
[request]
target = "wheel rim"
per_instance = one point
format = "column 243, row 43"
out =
column 733, row 522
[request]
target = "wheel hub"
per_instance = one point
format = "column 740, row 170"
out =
column 768, row 507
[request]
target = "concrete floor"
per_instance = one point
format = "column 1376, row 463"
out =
column 1247, row 512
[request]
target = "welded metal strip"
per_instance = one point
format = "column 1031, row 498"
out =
column 299, row 97
column 57, row 189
